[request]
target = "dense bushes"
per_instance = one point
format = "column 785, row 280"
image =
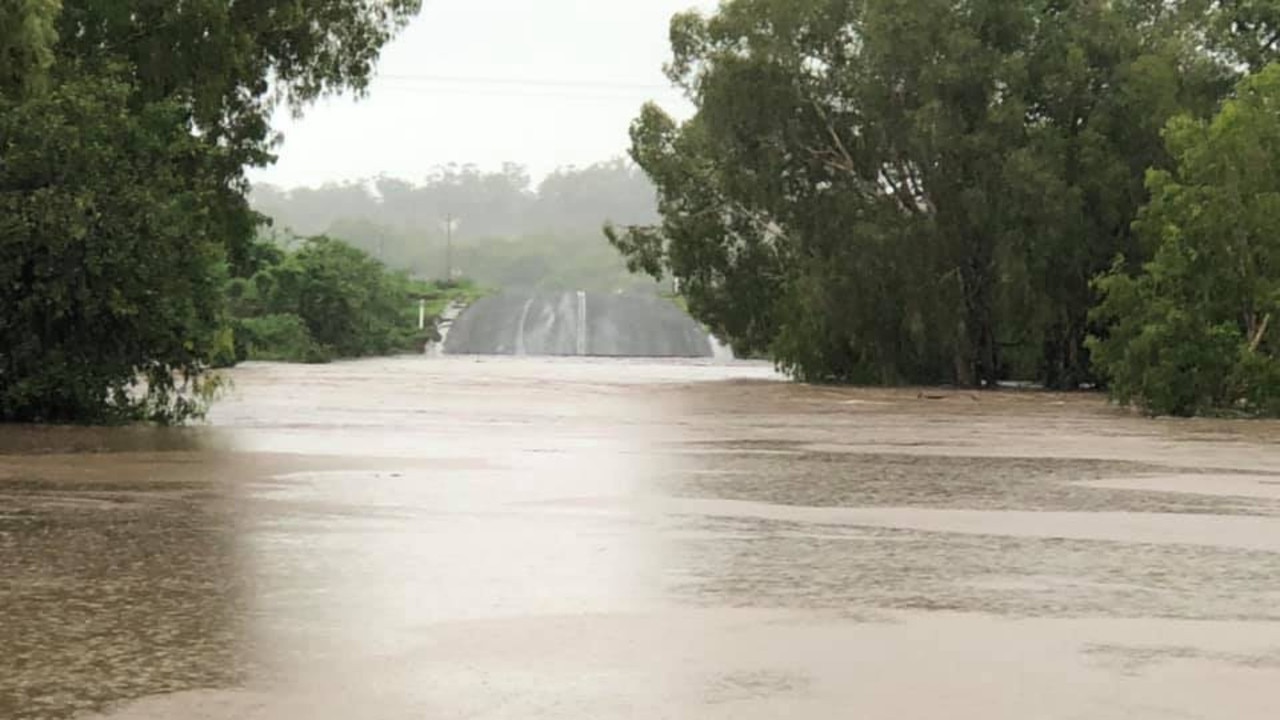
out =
column 326, row 300
column 1193, row 332
column 280, row 337
column 321, row 301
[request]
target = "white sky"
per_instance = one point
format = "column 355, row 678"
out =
column 542, row 83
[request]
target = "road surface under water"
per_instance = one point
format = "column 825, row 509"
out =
column 521, row 538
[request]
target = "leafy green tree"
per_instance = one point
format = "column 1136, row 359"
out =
column 217, row 57
column 347, row 301
column 278, row 338
column 1247, row 30
column 109, row 277
column 27, row 37
column 1098, row 94
column 230, row 65
column 1193, row 331
column 323, row 300
column 126, row 128
column 892, row 191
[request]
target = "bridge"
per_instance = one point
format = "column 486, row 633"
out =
column 578, row 323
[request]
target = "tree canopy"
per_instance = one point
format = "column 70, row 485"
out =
column 889, row 191
column 108, row 271
column 126, row 128
column 1193, row 331
column 27, row 37
column 322, row 299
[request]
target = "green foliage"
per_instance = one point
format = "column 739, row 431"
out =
column 109, row 271
column 439, row 295
column 1192, row 332
column 279, row 338
column 325, row 299
column 125, row 129
column 889, row 191
column 27, row 37
column 217, row 57
column 1247, row 30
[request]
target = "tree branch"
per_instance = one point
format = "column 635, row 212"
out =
column 839, row 148
column 1257, row 336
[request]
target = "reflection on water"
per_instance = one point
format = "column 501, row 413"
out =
column 34, row 440
column 464, row 537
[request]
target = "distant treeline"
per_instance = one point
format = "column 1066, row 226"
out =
column 508, row 232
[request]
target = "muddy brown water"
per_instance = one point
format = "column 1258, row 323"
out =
column 517, row 538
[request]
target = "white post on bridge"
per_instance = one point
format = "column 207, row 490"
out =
column 582, row 323
column 422, row 313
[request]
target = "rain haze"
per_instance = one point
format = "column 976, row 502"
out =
column 485, row 82
column 931, row 370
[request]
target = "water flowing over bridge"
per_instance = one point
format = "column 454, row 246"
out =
column 578, row 323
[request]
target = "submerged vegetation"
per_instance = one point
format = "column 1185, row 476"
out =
column 1193, row 332
column 326, row 300
column 893, row 192
column 126, row 129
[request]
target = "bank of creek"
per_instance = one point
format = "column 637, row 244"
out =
column 519, row 538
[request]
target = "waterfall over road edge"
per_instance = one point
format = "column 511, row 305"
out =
column 578, row 323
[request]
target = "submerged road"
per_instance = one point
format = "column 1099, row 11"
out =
column 577, row 323
column 473, row 537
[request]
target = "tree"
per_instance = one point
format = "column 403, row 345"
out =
column 127, row 127
column 581, row 198
column 348, row 303
column 1193, row 332
column 318, row 298
column 890, row 191
column 27, row 36
column 1247, row 30
column 1098, row 95
column 231, row 64
column 108, row 273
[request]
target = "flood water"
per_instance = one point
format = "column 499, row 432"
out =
column 518, row 538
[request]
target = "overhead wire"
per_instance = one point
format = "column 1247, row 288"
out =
column 525, row 87
column 525, row 81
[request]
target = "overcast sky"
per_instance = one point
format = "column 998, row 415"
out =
column 542, row 83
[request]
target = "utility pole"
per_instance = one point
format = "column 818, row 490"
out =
column 448, row 256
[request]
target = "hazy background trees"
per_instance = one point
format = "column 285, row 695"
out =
column 508, row 231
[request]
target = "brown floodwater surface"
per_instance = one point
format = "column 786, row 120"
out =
column 532, row 538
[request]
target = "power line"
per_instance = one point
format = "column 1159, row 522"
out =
column 527, row 87
column 530, row 82
column 532, row 94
